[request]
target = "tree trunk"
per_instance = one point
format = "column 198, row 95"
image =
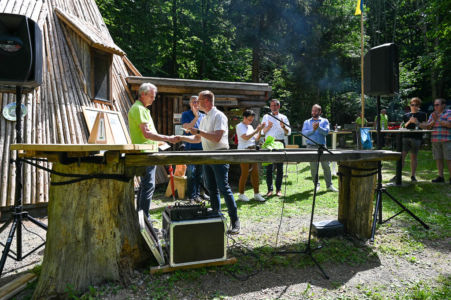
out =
column 355, row 199
column 93, row 232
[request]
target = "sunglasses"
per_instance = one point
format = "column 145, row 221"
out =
column 413, row 104
column 437, row 104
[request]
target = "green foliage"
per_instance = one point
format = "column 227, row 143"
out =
column 308, row 50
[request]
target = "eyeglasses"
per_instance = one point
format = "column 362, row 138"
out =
column 437, row 104
column 413, row 104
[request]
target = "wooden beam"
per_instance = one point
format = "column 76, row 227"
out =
column 239, row 156
column 167, row 268
column 204, row 84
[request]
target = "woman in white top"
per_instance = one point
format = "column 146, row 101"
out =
column 247, row 136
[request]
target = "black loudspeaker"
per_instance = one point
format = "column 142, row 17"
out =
column 381, row 71
column 20, row 52
column 195, row 241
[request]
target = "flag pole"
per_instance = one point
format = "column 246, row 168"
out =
column 362, row 117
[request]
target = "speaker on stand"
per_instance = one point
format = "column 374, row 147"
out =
column 381, row 78
column 21, row 70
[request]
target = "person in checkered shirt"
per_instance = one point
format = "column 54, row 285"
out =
column 440, row 122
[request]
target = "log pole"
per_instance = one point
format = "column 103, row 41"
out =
column 356, row 194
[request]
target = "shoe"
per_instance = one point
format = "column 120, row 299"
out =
column 318, row 187
column 205, row 197
column 279, row 193
column 243, row 197
column 235, row 228
column 258, row 197
column 413, row 179
column 438, row 179
column 332, row 188
column 269, row 194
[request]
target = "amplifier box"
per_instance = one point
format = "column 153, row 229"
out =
column 195, row 241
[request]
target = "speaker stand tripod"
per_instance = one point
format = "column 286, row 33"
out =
column 380, row 190
column 19, row 214
column 308, row 248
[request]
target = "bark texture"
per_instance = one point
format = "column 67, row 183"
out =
column 93, row 232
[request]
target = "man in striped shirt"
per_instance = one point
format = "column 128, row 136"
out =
column 440, row 122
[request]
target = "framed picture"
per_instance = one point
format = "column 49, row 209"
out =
column 116, row 122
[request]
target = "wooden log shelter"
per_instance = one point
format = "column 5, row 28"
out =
column 93, row 231
column 84, row 70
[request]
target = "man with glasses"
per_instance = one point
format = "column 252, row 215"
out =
column 191, row 119
column 278, row 131
column 411, row 141
column 440, row 122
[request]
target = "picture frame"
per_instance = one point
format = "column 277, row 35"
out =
column 116, row 122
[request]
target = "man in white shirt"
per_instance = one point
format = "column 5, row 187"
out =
column 278, row 130
column 213, row 133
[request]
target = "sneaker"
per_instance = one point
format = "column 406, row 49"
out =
column 318, row 187
column 205, row 197
column 243, row 197
column 438, row 179
column 259, row 197
column 413, row 179
column 279, row 193
column 332, row 188
column 235, row 228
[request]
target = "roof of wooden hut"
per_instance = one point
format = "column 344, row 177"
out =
column 243, row 93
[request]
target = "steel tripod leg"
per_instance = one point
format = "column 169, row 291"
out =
column 376, row 209
column 407, row 210
column 8, row 245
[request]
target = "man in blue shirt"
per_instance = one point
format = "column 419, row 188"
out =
column 317, row 128
column 191, row 119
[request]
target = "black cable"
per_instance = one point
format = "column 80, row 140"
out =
column 32, row 232
column 79, row 177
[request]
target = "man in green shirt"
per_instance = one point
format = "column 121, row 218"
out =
column 142, row 131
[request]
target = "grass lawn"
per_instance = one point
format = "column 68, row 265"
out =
column 404, row 262
column 402, row 241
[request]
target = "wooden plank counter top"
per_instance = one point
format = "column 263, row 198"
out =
column 135, row 157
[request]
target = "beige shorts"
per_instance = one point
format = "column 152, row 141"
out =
column 441, row 150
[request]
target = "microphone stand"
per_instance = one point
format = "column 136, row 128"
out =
column 308, row 249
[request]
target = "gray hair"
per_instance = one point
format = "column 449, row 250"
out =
column 208, row 95
column 146, row 87
column 193, row 98
column 275, row 101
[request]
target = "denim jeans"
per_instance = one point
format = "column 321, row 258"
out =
column 279, row 176
column 217, row 178
column 194, row 178
column 146, row 189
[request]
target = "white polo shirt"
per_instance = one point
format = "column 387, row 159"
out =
column 276, row 130
column 215, row 120
column 244, row 129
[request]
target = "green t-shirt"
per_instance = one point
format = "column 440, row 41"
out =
column 137, row 115
column 359, row 122
column 384, row 121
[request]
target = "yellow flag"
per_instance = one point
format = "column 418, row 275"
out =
column 359, row 8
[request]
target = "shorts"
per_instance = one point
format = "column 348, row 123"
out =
column 441, row 150
column 411, row 145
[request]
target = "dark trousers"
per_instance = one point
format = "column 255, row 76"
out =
column 279, row 176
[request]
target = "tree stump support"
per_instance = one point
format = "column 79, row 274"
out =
column 357, row 183
column 93, row 232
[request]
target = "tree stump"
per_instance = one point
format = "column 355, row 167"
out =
column 356, row 195
column 93, row 231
